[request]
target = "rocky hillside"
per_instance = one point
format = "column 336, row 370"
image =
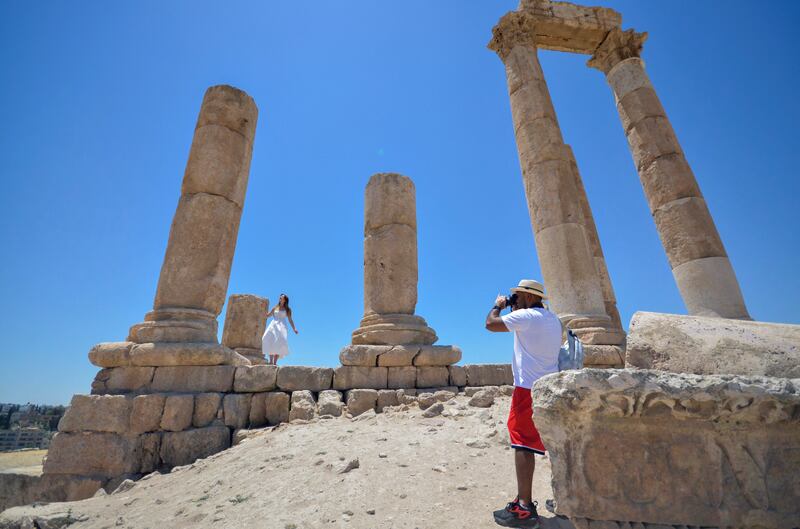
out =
column 445, row 467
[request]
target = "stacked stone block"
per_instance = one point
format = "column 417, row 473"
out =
column 245, row 321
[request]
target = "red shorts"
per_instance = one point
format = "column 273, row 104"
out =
column 524, row 435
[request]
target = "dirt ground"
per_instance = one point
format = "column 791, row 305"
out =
column 22, row 462
column 391, row 470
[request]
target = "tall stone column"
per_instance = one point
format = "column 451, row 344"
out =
column 194, row 276
column 556, row 200
column 700, row 265
column 390, row 265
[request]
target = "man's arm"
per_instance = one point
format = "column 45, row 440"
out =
column 494, row 322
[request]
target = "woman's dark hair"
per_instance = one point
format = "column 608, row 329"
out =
column 285, row 305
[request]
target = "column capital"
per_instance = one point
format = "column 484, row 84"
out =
column 615, row 48
column 514, row 28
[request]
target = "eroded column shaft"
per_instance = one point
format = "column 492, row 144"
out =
column 555, row 197
column 194, row 276
column 698, row 259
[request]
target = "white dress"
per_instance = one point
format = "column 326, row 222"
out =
column 275, row 339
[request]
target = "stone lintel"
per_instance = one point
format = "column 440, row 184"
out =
column 558, row 26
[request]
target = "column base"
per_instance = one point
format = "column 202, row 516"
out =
column 393, row 329
column 175, row 325
column 594, row 329
column 256, row 356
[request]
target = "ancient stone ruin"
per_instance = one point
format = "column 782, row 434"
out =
column 393, row 344
column 245, row 321
column 707, row 433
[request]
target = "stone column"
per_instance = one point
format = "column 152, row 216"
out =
column 390, row 265
column 558, row 216
column 194, row 276
column 696, row 254
column 245, row 321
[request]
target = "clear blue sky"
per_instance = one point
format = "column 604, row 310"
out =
column 99, row 101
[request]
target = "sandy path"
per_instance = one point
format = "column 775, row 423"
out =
column 413, row 472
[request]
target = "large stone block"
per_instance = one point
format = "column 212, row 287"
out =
column 437, row 355
column 631, row 445
column 361, row 400
column 175, row 325
column 330, row 402
column 22, row 489
column 362, row 355
column 93, row 454
column 97, row 413
column 392, row 329
column 194, row 378
column 206, row 408
column 178, row 413
column 245, row 321
column 705, row 346
column 151, row 452
column 390, row 270
column 401, row 377
column 276, row 407
column 253, row 379
column 349, row 377
column 489, row 374
column 183, row 448
column 146, row 412
column 258, row 410
column 296, row 378
column 432, row 376
column 458, row 375
column 184, row 354
column 236, row 408
column 111, row 354
column 122, row 380
column 398, row 356
column 303, row 406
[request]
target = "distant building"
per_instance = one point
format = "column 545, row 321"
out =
column 24, row 438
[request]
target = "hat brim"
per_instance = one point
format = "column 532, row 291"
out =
column 529, row 291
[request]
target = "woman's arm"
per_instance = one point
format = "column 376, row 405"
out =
column 289, row 315
column 271, row 312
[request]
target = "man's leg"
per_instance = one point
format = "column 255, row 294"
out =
column 525, row 463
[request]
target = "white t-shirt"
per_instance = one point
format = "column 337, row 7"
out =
column 537, row 339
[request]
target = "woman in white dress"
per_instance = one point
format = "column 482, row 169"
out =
column 275, row 343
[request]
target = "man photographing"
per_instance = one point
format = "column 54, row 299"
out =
column 537, row 339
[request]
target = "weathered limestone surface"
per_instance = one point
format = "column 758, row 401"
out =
column 194, row 378
column 111, row 354
column 363, row 355
column 178, row 413
column 97, row 413
column 399, row 355
column 390, row 265
column 206, row 407
column 184, row 354
column 350, row 377
column 705, row 346
column 489, row 374
column 302, row 406
column 330, row 403
column 298, row 378
column 146, row 413
column 122, row 380
column 252, row 379
column 361, row 400
column 563, row 26
column 276, row 407
column 401, row 377
column 103, row 455
column 258, row 410
column 236, row 408
column 696, row 254
column 22, row 489
column 552, row 189
column 182, row 448
column 196, row 268
column 432, row 376
column 674, row 449
column 458, row 376
column 437, row 355
column 245, row 321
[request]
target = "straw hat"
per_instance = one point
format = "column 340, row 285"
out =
column 531, row 287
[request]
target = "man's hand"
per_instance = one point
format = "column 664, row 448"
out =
column 500, row 301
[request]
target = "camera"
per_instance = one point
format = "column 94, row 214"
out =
column 511, row 300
